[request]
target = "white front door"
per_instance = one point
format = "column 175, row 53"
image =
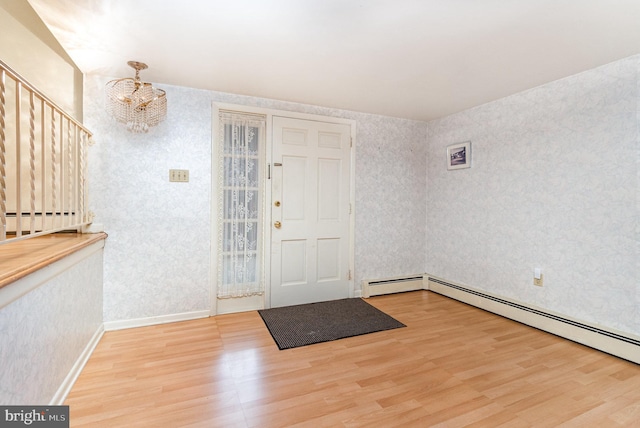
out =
column 310, row 211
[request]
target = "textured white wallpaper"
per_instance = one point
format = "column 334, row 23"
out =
column 157, row 257
column 390, row 193
column 158, row 250
column 43, row 333
column 554, row 184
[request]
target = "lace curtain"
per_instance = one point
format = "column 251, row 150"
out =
column 240, row 205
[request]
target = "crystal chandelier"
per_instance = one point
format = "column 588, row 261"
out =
column 136, row 103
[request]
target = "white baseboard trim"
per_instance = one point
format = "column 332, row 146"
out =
column 162, row 319
column 617, row 343
column 72, row 376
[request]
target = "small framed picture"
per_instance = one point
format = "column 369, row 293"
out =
column 459, row 155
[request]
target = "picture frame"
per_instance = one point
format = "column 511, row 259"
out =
column 459, row 155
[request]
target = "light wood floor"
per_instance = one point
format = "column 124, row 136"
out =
column 454, row 365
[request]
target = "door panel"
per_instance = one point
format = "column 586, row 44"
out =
column 294, row 271
column 294, row 183
column 310, row 211
column 329, row 259
column 294, row 136
column 329, row 139
column 329, row 189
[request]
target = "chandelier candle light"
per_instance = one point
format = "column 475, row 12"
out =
column 136, row 103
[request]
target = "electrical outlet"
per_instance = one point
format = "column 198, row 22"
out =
column 179, row 175
column 538, row 281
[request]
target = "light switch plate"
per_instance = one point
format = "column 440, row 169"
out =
column 179, row 175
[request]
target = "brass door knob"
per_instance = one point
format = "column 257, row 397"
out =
column 277, row 225
column 276, row 203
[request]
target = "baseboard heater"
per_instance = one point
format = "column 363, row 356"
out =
column 392, row 285
column 607, row 340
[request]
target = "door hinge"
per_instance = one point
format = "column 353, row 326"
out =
column 350, row 141
column 349, row 275
column 268, row 171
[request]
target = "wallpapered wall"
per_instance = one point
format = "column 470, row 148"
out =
column 43, row 333
column 554, row 184
column 157, row 256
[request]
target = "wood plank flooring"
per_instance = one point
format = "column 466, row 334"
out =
column 452, row 366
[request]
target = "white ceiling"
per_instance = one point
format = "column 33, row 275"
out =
column 417, row 59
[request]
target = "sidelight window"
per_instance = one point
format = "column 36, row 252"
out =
column 241, row 208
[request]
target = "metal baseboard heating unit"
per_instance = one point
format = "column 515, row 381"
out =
column 398, row 284
column 613, row 342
